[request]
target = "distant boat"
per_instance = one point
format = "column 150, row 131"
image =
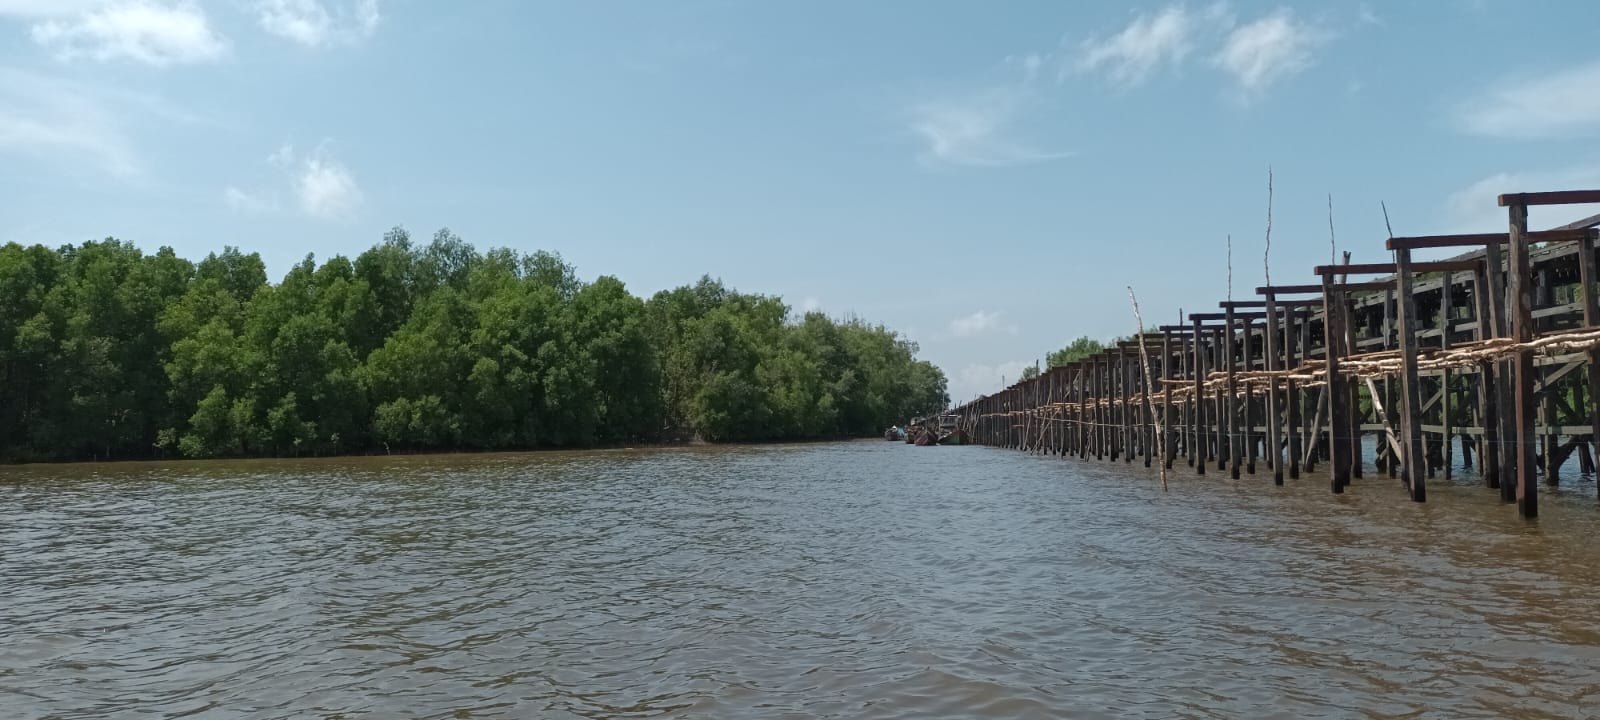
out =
column 894, row 433
column 955, row 437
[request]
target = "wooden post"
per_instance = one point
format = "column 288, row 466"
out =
column 1298, row 338
column 1199, row 403
column 1591, row 318
column 1247, row 363
column 1274, row 448
column 1446, row 328
column 1230, row 408
column 1520, row 294
column 1167, row 435
column 1338, row 393
column 1352, row 427
column 1488, row 395
column 1501, row 401
column 1220, row 431
column 1416, row 470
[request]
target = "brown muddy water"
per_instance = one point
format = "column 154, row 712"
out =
column 849, row 580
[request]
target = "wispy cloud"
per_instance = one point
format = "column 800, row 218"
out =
column 1367, row 16
column 977, row 129
column 978, row 379
column 1261, row 53
column 246, row 201
column 147, row 31
column 1148, row 43
column 979, row 323
column 1564, row 103
column 1474, row 208
column 62, row 124
column 326, row 188
column 322, row 187
column 46, row 8
column 311, row 23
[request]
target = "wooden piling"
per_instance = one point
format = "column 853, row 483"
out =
column 1519, row 292
column 1415, row 470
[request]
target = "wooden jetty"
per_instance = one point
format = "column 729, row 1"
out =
column 1494, row 351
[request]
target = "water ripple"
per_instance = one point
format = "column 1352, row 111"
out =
column 853, row 580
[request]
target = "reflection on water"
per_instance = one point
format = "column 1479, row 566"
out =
column 864, row 579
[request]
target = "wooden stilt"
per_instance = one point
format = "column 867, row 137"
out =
column 1415, row 470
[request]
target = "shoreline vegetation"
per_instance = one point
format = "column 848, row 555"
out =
column 107, row 353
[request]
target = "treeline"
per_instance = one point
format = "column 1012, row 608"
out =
column 106, row 352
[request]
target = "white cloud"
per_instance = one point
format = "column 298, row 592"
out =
column 283, row 157
column 326, row 189
column 974, row 380
column 147, row 31
column 321, row 186
column 1268, row 50
column 976, row 130
column 1562, row 104
column 979, row 323
column 63, row 124
column 1148, row 43
column 249, row 202
column 1475, row 208
column 311, row 23
column 46, row 8
column 1368, row 16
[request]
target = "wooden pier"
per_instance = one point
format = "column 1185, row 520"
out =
column 1493, row 352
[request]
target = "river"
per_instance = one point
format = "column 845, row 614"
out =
column 846, row 580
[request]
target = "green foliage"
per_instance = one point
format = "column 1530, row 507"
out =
column 106, row 352
column 1078, row 349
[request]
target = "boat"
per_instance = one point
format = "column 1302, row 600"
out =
column 955, row 437
column 894, row 433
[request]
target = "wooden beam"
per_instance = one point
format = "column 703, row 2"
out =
column 1226, row 317
column 1389, row 268
column 1560, row 197
column 1418, row 242
column 1289, row 290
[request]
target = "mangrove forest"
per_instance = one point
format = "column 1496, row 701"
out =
column 107, row 352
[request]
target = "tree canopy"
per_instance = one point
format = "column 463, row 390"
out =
column 1078, row 349
column 108, row 352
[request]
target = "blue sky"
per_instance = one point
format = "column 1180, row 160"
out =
column 986, row 177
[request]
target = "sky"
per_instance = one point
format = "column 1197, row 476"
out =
column 987, row 178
